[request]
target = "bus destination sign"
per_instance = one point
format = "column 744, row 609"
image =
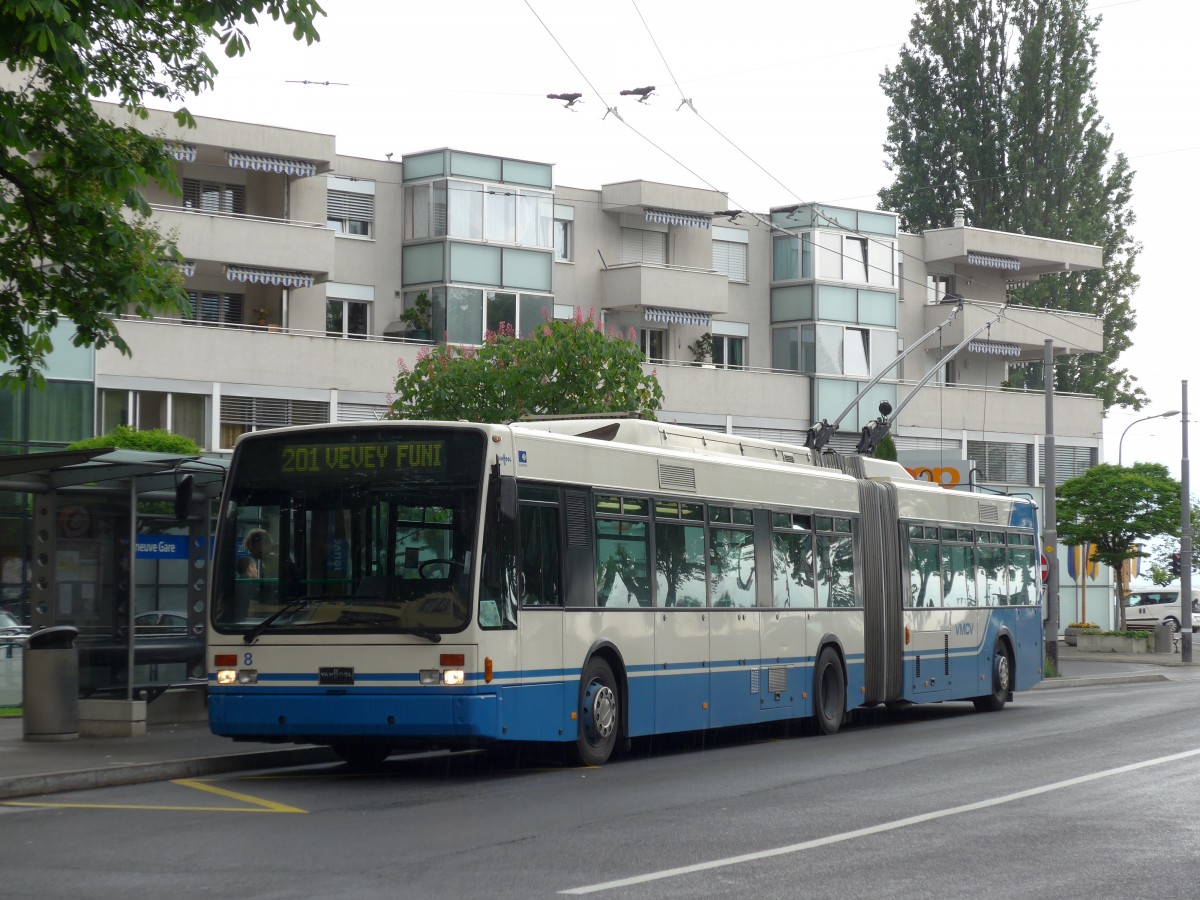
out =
column 333, row 459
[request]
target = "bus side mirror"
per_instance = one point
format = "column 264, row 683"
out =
column 183, row 496
column 508, row 498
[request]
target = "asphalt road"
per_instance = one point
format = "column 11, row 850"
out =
column 1089, row 792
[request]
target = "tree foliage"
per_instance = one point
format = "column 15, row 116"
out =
column 1114, row 507
column 153, row 440
column 993, row 110
column 563, row 368
column 75, row 236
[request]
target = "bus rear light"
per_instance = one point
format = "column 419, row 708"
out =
column 247, row 676
column 225, row 660
column 907, row 634
column 453, row 659
column 487, row 669
column 431, row 676
column 226, row 676
column 454, row 677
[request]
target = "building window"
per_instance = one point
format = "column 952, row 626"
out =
column 730, row 246
column 347, row 318
column 215, row 198
column 641, row 246
column 1000, row 461
column 1069, row 462
column 463, row 209
column 653, row 342
column 535, row 219
column 351, row 211
column 216, row 307
column 564, row 232
column 243, row 414
column 177, row 413
column 730, row 260
column 937, row 287
column 728, row 352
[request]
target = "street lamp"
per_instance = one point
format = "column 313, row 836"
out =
column 1121, row 443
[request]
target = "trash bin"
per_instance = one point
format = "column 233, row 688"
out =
column 51, row 688
column 1164, row 635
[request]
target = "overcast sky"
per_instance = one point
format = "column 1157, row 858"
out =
column 788, row 107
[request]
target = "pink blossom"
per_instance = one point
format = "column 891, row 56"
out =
column 632, row 334
column 579, row 315
column 546, row 331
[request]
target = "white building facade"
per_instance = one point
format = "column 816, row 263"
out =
column 302, row 262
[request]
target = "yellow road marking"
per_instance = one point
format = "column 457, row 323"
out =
column 257, row 804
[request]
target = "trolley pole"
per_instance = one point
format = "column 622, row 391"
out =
column 1050, row 514
column 1185, row 544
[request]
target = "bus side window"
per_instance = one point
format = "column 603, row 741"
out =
column 541, row 559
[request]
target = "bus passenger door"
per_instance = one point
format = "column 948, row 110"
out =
column 540, row 701
column 733, row 636
column 681, row 674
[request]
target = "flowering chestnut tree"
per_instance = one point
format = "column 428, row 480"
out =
column 562, row 368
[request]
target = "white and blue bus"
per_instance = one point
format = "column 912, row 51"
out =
column 588, row 581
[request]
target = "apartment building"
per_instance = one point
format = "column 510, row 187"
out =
column 301, row 263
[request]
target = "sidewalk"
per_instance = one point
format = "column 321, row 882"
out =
column 190, row 750
column 165, row 751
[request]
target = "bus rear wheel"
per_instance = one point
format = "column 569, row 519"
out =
column 829, row 692
column 599, row 714
column 1001, row 682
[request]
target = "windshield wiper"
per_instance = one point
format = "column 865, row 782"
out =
column 298, row 603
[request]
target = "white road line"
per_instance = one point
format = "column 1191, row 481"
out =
column 876, row 829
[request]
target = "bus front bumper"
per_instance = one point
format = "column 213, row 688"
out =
column 291, row 715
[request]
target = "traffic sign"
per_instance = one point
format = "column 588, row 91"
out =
column 1045, row 569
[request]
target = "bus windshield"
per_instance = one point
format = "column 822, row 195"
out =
column 340, row 531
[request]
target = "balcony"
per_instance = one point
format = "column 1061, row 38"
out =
column 672, row 288
column 1020, row 256
column 1020, row 332
column 249, row 240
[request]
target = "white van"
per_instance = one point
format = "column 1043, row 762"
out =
column 1145, row 608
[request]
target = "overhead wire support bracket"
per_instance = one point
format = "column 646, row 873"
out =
column 819, row 435
column 873, row 433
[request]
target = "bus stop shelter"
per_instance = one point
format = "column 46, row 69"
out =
column 106, row 548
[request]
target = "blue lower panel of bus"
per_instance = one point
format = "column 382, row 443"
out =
column 303, row 713
column 659, row 702
column 956, row 670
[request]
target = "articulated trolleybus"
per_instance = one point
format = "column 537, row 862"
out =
column 588, row 581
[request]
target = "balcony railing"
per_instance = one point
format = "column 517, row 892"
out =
column 224, row 214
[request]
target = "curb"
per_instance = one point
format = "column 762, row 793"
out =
column 1051, row 684
column 142, row 773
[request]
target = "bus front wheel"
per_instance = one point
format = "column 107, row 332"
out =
column 599, row 714
column 829, row 692
column 1001, row 682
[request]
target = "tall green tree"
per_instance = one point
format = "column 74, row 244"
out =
column 993, row 110
column 562, row 368
column 75, row 235
column 1114, row 508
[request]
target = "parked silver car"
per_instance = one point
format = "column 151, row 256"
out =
column 10, row 627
